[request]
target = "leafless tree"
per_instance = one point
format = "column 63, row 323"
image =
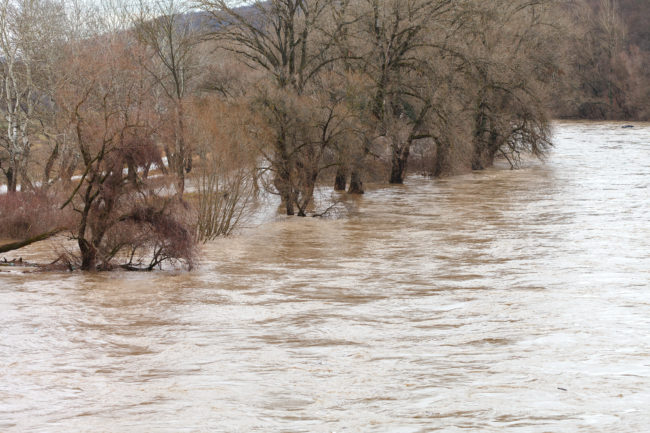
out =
column 293, row 41
column 30, row 39
column 396, row 47
column 171, row 32
column 107, row 107
column 510, row 56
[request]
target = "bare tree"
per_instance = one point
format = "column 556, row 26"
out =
column 510, row 58
column 107, row 106
column 30, row 38
column 293, row 41
column 171, row 32
column 395, row 43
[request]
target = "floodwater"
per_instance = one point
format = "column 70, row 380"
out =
column 494, row 301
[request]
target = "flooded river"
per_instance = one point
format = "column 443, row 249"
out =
column 501, row 300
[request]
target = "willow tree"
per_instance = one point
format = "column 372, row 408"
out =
column 291, row 42
column 121, row 214
column 396, row 46
column 511, row 53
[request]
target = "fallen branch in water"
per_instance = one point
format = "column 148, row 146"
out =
column 17, row 245
column 135, row 268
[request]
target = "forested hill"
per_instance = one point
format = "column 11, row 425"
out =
column 635, row 15
column 609, row 62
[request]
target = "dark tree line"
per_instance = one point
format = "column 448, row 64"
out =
column 608, row 69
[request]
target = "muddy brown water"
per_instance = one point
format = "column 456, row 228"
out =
column 494, row 301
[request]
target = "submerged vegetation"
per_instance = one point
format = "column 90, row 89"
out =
column 140, row 131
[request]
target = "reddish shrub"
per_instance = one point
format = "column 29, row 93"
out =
column 27, row 214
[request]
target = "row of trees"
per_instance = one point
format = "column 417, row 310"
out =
column 366, row 84
column 140, row 129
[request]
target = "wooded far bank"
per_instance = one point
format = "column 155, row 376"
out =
column 140, row 130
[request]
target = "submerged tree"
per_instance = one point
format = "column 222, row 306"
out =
column 292, row 41
column 510, row 57
column 395, row 45
column 121, row 214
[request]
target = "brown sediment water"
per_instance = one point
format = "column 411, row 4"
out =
column 494, row 301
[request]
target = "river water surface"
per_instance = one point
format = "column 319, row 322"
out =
column 494, row 301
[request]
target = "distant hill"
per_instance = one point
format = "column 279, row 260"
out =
column 636, row 14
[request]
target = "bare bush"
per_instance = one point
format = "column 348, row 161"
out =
column 226, row 181
column 28, row 214
column 153, row 233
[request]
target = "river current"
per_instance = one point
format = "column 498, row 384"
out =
column 489, row 302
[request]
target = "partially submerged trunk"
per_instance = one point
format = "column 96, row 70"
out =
column 356, row 185
column 307, row 195
column 288, row 201
column 486, row 146
column 441, row 162
column 340, row 182
column 21, row 244
column 399, row 163
column 88, row 255
column 283, row 186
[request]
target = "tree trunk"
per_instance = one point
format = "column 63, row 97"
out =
column 356, row 185
column 441, row 161
column 26, row 184
column 182, row 156
column 480, row 129
column 288, row 202
column 283, row 185
column 341, row 179
column 308, row 193
column 399, row 164
column 88, row 255
column 485, row 149
column 47, row 171
column 11, row 175
column 17, row 245
column 494, row 143
column 477, row 159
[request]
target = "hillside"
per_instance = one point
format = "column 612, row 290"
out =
column 635, row 14
column 608, row 70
